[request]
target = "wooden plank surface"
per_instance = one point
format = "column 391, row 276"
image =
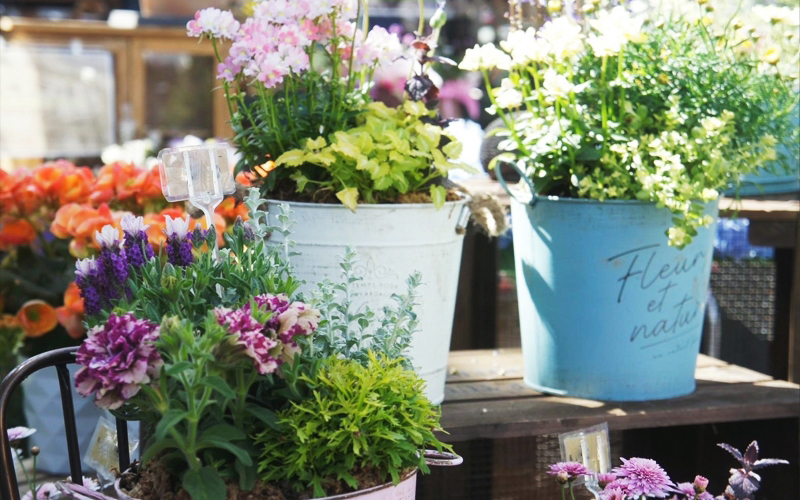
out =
column 486, row 398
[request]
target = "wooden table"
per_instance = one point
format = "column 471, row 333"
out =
column 773, row 223
column 485, row 397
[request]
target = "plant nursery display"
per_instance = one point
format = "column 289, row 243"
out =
column 246, row 387
column 624, row 128
column 297, row 77
column 639, row 478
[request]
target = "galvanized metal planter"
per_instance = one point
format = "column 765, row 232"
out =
column 607, row 309
column 392, row 241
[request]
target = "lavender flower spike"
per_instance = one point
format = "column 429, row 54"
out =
column 137, row 248
column 179, row 247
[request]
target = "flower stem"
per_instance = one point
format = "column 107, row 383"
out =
column 421, row 27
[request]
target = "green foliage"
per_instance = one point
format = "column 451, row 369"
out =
column 390, row 152
column 353, row 334
column 673, row 116
column 359, row 417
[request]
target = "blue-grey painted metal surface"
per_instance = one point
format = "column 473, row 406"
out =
column 607, row 309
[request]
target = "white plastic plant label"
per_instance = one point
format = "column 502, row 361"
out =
column 102, row 455
column 590, row 447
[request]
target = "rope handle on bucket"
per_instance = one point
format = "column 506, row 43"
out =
column 442, row 458
column 499, row 171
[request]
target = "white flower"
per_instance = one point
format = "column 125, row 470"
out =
column 525, row 46
column 507, row 96
column 711, row 124
column 563, row 36
column 18, row 433
column 107, row 237
column 178, row 227
column 485, row 57
column 709, row 194
column 619, row 23
column 557, row 85
column 606, row 45
column 213, row 23
column 775, row 15
column 133, row 224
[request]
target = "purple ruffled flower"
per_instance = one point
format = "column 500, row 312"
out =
column 573, row 470
column 642, row 476
column 137, row 247
column 18, row 433
column 288, row 319
column 179, row 246
column 118, row 358
column 248, row 334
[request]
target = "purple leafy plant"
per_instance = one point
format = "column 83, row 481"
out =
column 744, row 483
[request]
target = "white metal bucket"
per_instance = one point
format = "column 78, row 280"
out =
column 392, row 242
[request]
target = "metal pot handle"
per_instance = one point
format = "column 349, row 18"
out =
column 442, row 458
column 523, row 177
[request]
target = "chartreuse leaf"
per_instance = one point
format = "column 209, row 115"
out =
column 438, row 196
column 204, row 484
column 348, row 197
column 317, row 143
column 292, row 158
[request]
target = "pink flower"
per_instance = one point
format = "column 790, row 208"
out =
column 642, row 476
column 705, row 496
column 118, row 357
column 228, row 69
column 19, row 433
column 295, row 59
column 248, row 334
column 43, row 492
column 604, row 479
column 700, row 483
column 213, row 23
column 572, row 469
column 271, row 70
column 612, row 494
column 686, row 489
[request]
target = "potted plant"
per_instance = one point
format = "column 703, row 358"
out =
column 246, row 388
column 624, row 129
column 48, row 216
column 297, row 78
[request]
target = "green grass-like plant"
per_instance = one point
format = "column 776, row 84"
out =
column 372, row 417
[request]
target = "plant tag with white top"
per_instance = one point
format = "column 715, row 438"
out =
column 591, row 448
column 102, row 455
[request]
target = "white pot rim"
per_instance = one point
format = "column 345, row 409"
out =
column 587, row 201
column 371, row 206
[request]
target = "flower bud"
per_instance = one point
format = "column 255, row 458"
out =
column 555, row 6
column 562, row 477
column 700, row 484
column 35, row 451
column 605, row 479
column 439, row 18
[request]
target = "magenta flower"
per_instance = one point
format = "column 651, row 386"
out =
column 605, row 479
column 705, row 496
column 19, row 433
column 642, row 476
column 118, row 357
column 572, row 469
column 248, row 334
column 43, row 492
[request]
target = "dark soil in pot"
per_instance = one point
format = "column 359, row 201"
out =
column 156, row 483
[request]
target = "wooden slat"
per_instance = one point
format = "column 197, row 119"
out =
column 481, row 402
column 711, row 403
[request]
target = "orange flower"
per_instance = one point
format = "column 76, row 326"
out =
column 37, row 318
column 158, row 223
column 230, row 209
column 243, row 178
column 48, row 178
column 80, row 222
column 70, row 315
column 16, row 232
column 147, row 186
column 76, row 186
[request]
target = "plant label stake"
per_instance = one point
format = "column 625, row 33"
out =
column 199, row 174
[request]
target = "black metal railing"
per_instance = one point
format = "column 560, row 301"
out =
column 59, row 358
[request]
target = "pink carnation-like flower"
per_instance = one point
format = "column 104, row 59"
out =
column 249, row 335
column 615, row 493
column 18, row 433
column 705, row 496
column 118, row 357
column 213, row 23
column 686, row 489
column 289, row 319
column 700, row 483
column 43, row 492
column 642, row 476
column 572, row 469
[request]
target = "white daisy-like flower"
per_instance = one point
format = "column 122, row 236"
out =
column 485, row 57
column 507, row 96
column 557, row 85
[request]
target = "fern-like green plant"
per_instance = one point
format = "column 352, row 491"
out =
column 360, row 417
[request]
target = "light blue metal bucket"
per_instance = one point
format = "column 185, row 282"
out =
column 607, row 309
